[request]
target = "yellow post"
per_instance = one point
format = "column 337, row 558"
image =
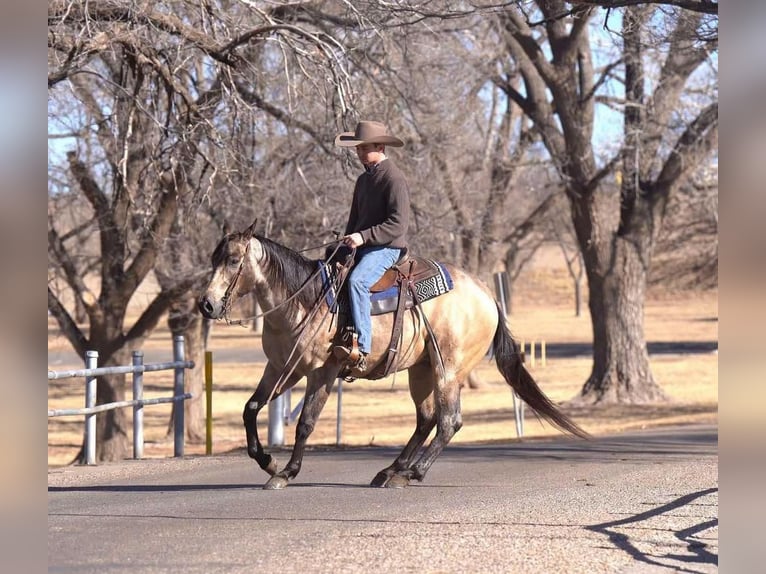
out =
column 532, row 354
column 208, row 402
column 543, row 353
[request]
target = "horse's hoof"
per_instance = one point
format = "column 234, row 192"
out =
column 398, row 481
column 275, row 483
column 380, row 479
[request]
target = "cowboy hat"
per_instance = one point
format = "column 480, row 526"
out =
column 368, row 133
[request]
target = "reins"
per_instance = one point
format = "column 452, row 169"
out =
column 335, row 283
column 227, row 295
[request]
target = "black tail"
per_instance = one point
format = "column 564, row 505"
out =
column 508, row 359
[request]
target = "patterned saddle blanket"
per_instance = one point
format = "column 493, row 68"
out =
column 430, row 277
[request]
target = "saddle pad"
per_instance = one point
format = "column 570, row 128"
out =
column 385, row 301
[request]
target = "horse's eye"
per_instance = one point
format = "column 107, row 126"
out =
column 233, row 261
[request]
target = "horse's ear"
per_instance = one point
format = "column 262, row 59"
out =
column 250, row 231
column 226, row 228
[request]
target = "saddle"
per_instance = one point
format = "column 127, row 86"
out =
column 409, row 282
column 411, row 268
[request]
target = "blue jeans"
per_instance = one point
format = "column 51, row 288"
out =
column 371, row 263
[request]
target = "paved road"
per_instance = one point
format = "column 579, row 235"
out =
column 634, row 503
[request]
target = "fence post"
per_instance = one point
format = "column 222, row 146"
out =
column 339, row 422
column 500, row 290
column 288, row 406
column 138, row 409
column 277, row 421
column 518, row 404
column 208, row 402
column 91, row 362
column 178, row 390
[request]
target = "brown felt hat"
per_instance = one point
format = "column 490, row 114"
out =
column 368, row 133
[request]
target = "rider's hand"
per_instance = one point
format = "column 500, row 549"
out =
column 353, row 240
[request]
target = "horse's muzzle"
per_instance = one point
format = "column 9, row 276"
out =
column 208, row 308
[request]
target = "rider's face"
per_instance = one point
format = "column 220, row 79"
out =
column 370, row 154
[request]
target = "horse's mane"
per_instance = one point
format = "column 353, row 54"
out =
column 285, row 269
column 289, row 270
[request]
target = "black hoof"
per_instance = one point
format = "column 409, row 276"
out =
column 380, row 480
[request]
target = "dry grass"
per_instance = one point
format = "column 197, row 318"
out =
column 381, row 413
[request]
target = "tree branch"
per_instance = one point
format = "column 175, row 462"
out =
column 158, row 232
column 702, row 6
column 74, row 276
column 67, row 324
column 148, row 320
column 693, row 145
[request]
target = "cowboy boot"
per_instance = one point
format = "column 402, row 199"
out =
column 348, row 351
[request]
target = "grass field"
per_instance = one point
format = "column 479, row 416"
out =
column 381, row 413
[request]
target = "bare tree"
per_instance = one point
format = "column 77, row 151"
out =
column 687, row 247
column 558, row 227
column 661, row 147
column 138, row 89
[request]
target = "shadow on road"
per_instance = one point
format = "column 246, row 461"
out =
column 698, row 551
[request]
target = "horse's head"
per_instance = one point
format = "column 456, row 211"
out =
column 233, row 261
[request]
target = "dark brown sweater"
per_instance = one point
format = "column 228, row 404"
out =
column 380, row 208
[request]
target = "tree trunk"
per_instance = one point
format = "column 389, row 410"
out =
column 473, row 381
column 112, row 427
column 578, row 296
column 195, row 381
column 621, row 371
column 113, row 441
column 183, row 319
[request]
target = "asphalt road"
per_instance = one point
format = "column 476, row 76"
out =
column 634, row 503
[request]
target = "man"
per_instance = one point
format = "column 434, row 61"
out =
column 377, row 225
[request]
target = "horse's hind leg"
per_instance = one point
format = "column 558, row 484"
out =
column 448, row 422
column 318, row 389
column 421, row 391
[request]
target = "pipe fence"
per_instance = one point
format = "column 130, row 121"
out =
column 138, row 368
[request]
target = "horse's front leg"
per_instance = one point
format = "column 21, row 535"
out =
column 318, row 387
column 253, row 406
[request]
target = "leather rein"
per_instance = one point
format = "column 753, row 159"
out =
column 226, row 300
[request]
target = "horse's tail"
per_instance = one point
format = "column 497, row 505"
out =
column 508, row 359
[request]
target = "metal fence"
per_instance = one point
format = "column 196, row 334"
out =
column 92, row 370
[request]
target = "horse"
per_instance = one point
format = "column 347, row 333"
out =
column 442, row 340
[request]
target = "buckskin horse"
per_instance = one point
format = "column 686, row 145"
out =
column 442, row 340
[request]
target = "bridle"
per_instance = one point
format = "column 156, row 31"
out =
column 292, row 360
column 226, row 299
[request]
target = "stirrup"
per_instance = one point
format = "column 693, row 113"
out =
column 352, row 370
column 343, row 353
column 348, row 350
column 359, row 367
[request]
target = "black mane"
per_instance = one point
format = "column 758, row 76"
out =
column 290, row 271
column 284, row 268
